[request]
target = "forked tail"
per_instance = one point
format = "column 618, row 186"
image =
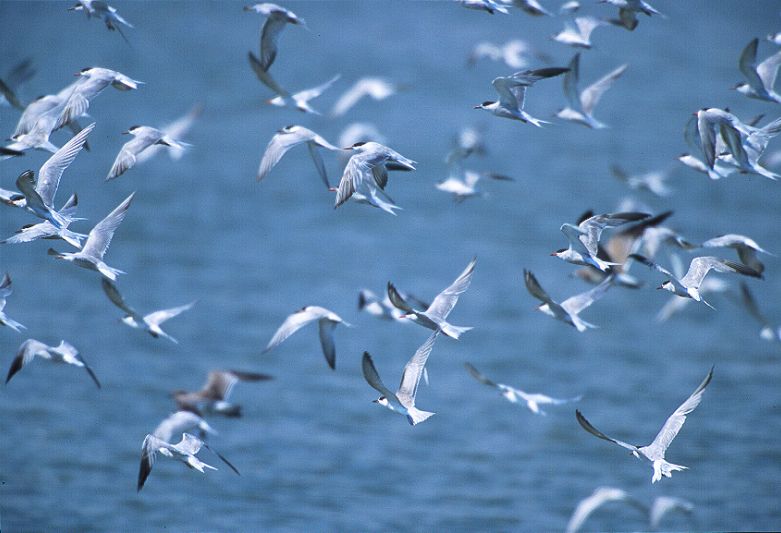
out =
column 416, row 416
column 663, row 468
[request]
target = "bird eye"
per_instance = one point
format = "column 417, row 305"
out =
column 356, row 145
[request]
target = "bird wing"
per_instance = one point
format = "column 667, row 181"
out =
column 26, row 184
column 579, row 302
column 10, row 95
column 650, row 264
column 571, row 79
column 586, row 25
column 269, row 37
column 314, row 92
column 707, row 144
column 588, row 505
column 373, row 378
column 356, row 171
column 148, row 453
column 397, row 299
column 5, row 286
column 751, row 305
column 348, row 99
column 189, row 445
column 700, row 266
column 479, row 376
column 594, row 431
column 664, row 504
column 507, row 98
column 674, row 423
column 325, row 328
column 413, row 371
column 590, row 96
column 768, row 70
column 51, row 171
column 116, row 298
column 747, row 64
column 176, row 424
column 265, row 77
column 318, row 161
column 220, row 383
column 26, row 353
column 278, row 146
column 591, row 228
column 534, row 288
column 445, row 301
column 158, row 317
column 292, row 323
column 100, row 236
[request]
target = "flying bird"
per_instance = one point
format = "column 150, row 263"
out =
column 12, row 81
column 581, row 104
column 578, row 34
column 628, row 10
column 290, row 137
column 746, row 247
column 301, row 99
column 654, row 181
column 435, row 316
column 489, row 6
column 761, row 78
column 466, row 187
column 102, row 10
column 514, row 53
column 666, row 504
column 326, row 322
column 150, row 322
column 376, row 88
column 569, row 310
column 403, row 400
column 93, row 80
column 144, row 137
column 276, row 19
column 5, row 292
column 47, row 230
column 174, row 130
column 531, row 7
column 512, row 94
column 214, row 396
column 598, row 498
column 62, row 353
column 655, row 452
column 768, row 331
column 98, row 241
column 183, row 451
column 513, row 395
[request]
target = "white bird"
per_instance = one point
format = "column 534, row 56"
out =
column 367, row 171
column 665, row 504
column 47, row 230
column 723, row 164
column 181, row 422
column 584, row 238
column 174, row 130
column 326, row 322
column 360, row 132
column 403, row 401
column 628, row 10
column 653, row 238
column 655, row 452
column 531, row 7
column 768, row 331
column 213, row 397
column 63, row 353
column 435, row 316
column 581, row 104
column 98, row 240
column 370, row 303
column 512, row 94
column 102, row 10
column 143, row 137
column 5, row 292
column 301, row 99
column 513, row 395
column 654, row 181
column 676, row 305
column 598, row 498
column 183, row 451
column 579, row 33
column 466, row 187
column 36, row 135
column 489, row 6
column 514, row 53
column 689, row 285
column 761, row 77
column 746, row 248
column 569, row 310
column 376, row 88
column 469, row 140
column 150, row 322
column 568, row 8
column 276, row 19
column 290, row 137
column 93, row 80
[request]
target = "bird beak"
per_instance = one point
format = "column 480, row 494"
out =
column 476, row 107
column 660, row 287
column 77, row 74
column 553, row 253
column 125, row 133
column 375, row 401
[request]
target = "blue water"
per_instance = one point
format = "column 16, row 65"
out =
column 313, row 451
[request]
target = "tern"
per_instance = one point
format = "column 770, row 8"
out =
column 98, row 240
column 93, row 80
column 47, row 230
column 463, row 188
column 62, row 353
column 569, row 310
column 150, row 322
column 265, row 77
column 326, row 322
column 676, row 305
column 512, row 94
column 584, row 238
column 290, row 137
column 655, row 452
column 689, row 285
column 370, row 303
column 301, row 99
column 403, row 401
column 174, row 130
column 5, row 292
column 367, row 170
column 36, row 135
column 102, row 10
column 435, row 316
column 276, row 19
column 489, row 6
column 213, row 397
column 665, row 504
column 768, row 331
column 654, row 181
column 746, row 248
column 143, row 137
column 761, row 77
column 531, row 7
column 628, row 10
column 183, row 451
column 513, row 53
column 653, row 238
column 598, row 498
column 376, row 88
column 513, row 395
column 581, row 104
column 469, row 140
column 579, row 33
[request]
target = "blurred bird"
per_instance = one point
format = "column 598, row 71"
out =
column 276, row 19
column 213, row 397
column 655, row 451
column 469, row 140
column 376, row 88
column 598, row 498
column 403, row 401
column 5, row 292
column 150, row 322
column 98, row 241
column 102, row 10
column 62, row 353
column 301, row 99
column 174, row 130
column 183, row 451
column 530, row 7
column 746, row 248
column 435, row 315
column 514, row 53
column 761, row 77
column 143, row 137
column 370, row 303
column 513, row 395
column 289, row 137
column 768, row 331
column 628, row 10
column 463, row 188
column 13, row 80
column 512, row 94
column 665, row 504
column 326, row 322
column 489, row 6
column 581, row 104
column 47, row 230
column 579, row 33
column 653, row 181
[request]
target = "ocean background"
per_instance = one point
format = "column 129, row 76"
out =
column 313, row 451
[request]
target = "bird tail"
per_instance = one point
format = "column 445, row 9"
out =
column 110, row 272
column 416, row 416
column 454, row 331
column 663, row 468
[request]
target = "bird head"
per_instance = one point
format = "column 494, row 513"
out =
column 382, row 400
column 558, row 252
column 484, row 105
column 667, row 285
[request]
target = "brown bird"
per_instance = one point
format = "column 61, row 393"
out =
column 213, row 397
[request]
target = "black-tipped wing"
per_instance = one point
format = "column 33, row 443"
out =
column 478, row 375
column 594, row 431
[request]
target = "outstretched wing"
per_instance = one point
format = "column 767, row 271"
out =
column 479, row 376
column 594, row 431
column 575, row 304
column 445, row 301
column 100, row 236
column 51, row 171
column 292, row 323
column 373, row 378
column 534, row 288
column 413, row 371
column 590, row 96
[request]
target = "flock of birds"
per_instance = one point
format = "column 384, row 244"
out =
column 721, row 144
